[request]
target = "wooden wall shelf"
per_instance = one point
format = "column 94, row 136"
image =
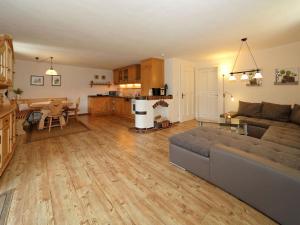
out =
column 92, row 83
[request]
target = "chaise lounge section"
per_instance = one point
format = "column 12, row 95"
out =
column 264, row 173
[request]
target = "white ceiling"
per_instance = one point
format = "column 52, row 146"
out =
column 113, row 33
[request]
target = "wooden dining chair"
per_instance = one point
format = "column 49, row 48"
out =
column 73, row 111
column 55, row 115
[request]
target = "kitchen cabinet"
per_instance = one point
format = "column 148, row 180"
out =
column 100, row 105
column 116, row 76
column 6, row 61
column 152, row 75
column 106, row 105
column 127, row 75
column 7, row 136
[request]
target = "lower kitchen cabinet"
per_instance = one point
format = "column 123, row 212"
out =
column 106, row 105
column 100, row 105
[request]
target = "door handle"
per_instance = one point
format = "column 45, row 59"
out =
column 182, row 95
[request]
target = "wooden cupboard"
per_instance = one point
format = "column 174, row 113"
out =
column 7, row 135
column 6, row 61
column 152, row 75
column 116, row 76
column 100, row 105
column 127, row 75
column 105, row 105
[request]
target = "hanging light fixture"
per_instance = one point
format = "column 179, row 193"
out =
column 244, row 75
column 232, row 77
column 51, row 71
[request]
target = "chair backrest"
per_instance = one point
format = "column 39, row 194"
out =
column 77, row 102
column 56, row 109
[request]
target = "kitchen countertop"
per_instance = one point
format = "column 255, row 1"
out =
column 154, row 97
column 102, row 96
column 132, row 97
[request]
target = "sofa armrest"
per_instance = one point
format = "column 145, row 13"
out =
column 232, row 113
column 268, row 186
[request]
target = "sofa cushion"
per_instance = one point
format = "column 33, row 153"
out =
column 265, row 123
column 283, row 135
column 295, row 115
column 275, row 111
column 187, row 141
column 208, row 136
column 249, row 109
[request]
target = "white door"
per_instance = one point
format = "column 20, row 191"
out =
column 187, row 90
column 206, row 101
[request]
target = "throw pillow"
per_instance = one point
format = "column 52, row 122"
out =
column 295, row 115
column 249, row 109
column 276, row 112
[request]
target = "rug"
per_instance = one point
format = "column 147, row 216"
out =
column 72, row 127
column 5, row 202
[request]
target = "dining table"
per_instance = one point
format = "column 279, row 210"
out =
column 43, row 107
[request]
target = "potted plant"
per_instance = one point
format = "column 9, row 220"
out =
column 18, row 92
column 252, row 80
column 287, row 76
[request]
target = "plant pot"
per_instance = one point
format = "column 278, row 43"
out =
column 253, row 82
column 288, row 79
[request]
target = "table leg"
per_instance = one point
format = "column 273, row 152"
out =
column 245, row 129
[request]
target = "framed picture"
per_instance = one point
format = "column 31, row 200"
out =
column 253, row 82
column 56, row 80
column 37, row 80
column 287, row 76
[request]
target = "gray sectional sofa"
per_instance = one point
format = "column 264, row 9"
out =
column 264, row 172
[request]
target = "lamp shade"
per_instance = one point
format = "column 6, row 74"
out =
column 244, row 77
column 258, row 75
column 232, row 77
column 51, row 72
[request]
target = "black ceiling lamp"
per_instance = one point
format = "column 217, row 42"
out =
column 244, row 75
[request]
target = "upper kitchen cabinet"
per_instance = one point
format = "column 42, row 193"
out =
column 134, row 74
column 127, row 75
column 116, row 76
column 6, row 61
column 152, row 75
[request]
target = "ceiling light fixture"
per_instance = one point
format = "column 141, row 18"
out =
column 51, row 71
column 244, row 75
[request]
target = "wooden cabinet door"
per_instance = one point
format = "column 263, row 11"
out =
column 127, row 108
column 125, row 75
column 146, row 73
column 2, row 62
column 134, row 74
column 13, row 137
column 118, row 106
column 5, row 144
column 9, row 65
column 100, row 105
column 116, row 76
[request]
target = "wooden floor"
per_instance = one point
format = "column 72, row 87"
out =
column 112, row 176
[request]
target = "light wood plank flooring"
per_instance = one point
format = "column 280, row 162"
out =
column 112, row 176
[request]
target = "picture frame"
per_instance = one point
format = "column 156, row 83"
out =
column 253, row 82
column 36, row 80
column 287, row 76
column 56, row 80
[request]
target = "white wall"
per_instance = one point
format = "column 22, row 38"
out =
column 75, row 81
column 268, row 60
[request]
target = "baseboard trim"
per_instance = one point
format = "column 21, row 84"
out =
column 179, row 167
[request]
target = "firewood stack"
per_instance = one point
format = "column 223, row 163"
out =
column 161, row 122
